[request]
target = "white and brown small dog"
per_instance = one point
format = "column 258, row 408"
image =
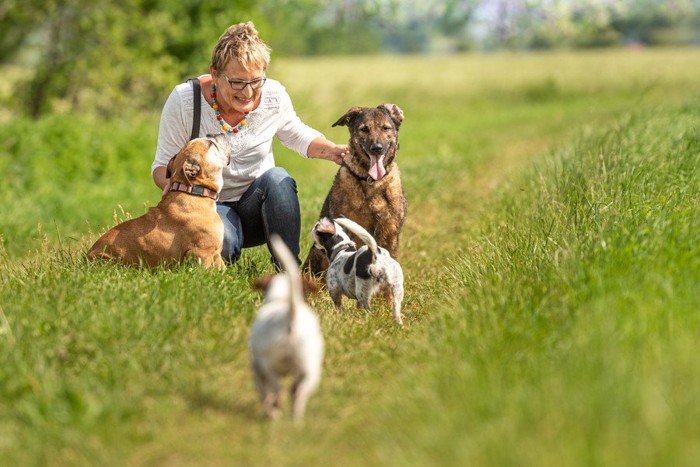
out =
column 285, row 339
column 357, row 274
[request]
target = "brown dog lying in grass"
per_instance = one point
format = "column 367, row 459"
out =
column 184, row 223
column 367, row 188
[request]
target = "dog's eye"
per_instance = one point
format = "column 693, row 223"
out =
column 364, row 129
column 386, row 128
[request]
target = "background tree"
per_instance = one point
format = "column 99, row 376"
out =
column 105, row 56
column 322, row 27
column 530, row 24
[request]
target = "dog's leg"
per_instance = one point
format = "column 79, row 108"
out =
column 337, row 297
column 387, row 236
column 388, row 294
column 363, row 292
column 218, row 262
column 397, row 293
column 265, row 390
column 268, row 389
column 316, row 263
column 302, row 389
column 259, row 381
column 271, row 402
column 209, row 260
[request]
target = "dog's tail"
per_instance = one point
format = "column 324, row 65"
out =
column 361, row 233
column 291, row 268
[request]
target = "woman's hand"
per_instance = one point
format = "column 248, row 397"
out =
column 321, row 148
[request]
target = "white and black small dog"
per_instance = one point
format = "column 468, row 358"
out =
column 357, row 273
column 285, row 339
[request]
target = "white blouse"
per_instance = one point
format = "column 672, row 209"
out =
column 251, row 153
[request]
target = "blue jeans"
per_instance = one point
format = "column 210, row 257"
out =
column 270, row 205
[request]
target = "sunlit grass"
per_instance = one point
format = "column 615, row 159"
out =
column 573, row 327
column 551, row 256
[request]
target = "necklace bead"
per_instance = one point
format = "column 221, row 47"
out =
column 225, row 126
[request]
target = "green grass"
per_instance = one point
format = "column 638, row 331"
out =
column 572, row 337
column 551, row 256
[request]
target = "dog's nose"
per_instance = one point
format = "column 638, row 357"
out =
column 376, row 148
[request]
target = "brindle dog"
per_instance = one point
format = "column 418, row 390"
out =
column 367, row 188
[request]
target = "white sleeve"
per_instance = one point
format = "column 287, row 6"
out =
column 294, row 133
column 173, row 132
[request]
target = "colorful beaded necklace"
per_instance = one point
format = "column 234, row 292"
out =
column 225, row 126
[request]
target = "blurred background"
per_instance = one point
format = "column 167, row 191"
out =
column 110, row 56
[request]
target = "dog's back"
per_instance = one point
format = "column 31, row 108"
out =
column 182, row 224
column 373, row 269
column 286, row 338
column 381, row 267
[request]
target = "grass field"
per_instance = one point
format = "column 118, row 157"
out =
column 551, row 253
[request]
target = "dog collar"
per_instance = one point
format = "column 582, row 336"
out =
column 197, row 190
column 369, row 180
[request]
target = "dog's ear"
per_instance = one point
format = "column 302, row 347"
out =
column 191, row 168
column 348, row 117
column 261, row 283
column 395, row 112
column 325, row 225
column 310, row 286
column 170, row 168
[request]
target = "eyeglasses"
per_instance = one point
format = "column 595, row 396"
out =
column 240, row 85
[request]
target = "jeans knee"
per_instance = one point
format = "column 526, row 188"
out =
column 233, row 233
column 233, row 243
column 279, row 182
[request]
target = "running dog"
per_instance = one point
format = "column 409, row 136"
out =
column 357, row 274
column 286, row 338
column 367, row 187
column 185, row 222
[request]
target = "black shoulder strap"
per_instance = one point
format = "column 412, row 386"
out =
column 197, row 99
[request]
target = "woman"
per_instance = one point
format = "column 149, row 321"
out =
column 257, row 198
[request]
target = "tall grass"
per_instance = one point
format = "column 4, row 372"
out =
column 551, row 256
column 66, row 176
column 571, row 333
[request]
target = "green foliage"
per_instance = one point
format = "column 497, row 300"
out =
column 15, row 24
column 313, row 27
column 105, row 56
column 75, row 166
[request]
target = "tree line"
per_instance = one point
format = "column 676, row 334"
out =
column 104, row 55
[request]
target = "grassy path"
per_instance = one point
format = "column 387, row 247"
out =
column 113, row 367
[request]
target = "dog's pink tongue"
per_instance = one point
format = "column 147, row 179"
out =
column 376, row 167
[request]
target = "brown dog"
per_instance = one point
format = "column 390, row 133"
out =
column 185, row 222
column 367, row 188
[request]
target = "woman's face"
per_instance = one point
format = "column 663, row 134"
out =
column 238, row 89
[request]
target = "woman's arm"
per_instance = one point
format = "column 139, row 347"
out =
column 160, row 180
column 321, row 148
column 173, row 134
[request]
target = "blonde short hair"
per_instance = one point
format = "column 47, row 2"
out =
column 241, row 43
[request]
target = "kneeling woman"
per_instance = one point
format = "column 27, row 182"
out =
column 257, row 199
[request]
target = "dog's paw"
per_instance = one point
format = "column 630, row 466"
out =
column 274, row 413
